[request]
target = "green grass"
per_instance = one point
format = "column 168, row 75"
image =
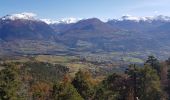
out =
column 54, row 59
column 132, row 59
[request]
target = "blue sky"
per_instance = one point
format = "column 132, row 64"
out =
column 102, row 9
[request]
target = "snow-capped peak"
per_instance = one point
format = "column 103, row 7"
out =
column 147, row 18
column 25, row 15
column 49, row 21
column 135, row 18
column 61, row 21
column 161, row 17
column 32, row 16
column 69, row 20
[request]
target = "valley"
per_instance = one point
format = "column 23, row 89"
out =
column 84, row 50
column 126, row 39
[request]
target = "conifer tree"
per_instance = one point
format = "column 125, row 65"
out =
column 148, row 83
column 154, row 63
column 65, row 91
column 83, row 85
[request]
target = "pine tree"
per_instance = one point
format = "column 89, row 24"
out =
column 83, row 85
column 168, row 86
column 112, row 88
column 168, row 77
column 65, row 91
column 148, row 83
column 154, row 63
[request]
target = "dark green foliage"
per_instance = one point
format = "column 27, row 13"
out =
column 154, row 63
column 147, row 83
column 65, row 91
column 168, row 86
column 168, row 76
column 112, row 88
column 83, row 85
column 45, row 71
column 9, row 83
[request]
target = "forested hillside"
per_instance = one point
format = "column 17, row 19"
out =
column 36, row 80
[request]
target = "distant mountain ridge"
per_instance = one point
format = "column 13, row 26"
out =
column 26, row 34
column 33, row 16
column 24, row 29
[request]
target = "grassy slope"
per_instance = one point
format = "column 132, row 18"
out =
column 72, row 62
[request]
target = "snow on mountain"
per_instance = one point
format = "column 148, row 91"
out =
column 49, row 21
column 161, row 17
column 132, row 18
column 25, row 15
column 32, row 16
column 147, row 18
column 68, row 20
column 61, row 21
column 126, row 17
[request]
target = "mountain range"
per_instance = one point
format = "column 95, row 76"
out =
column 137, row 37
